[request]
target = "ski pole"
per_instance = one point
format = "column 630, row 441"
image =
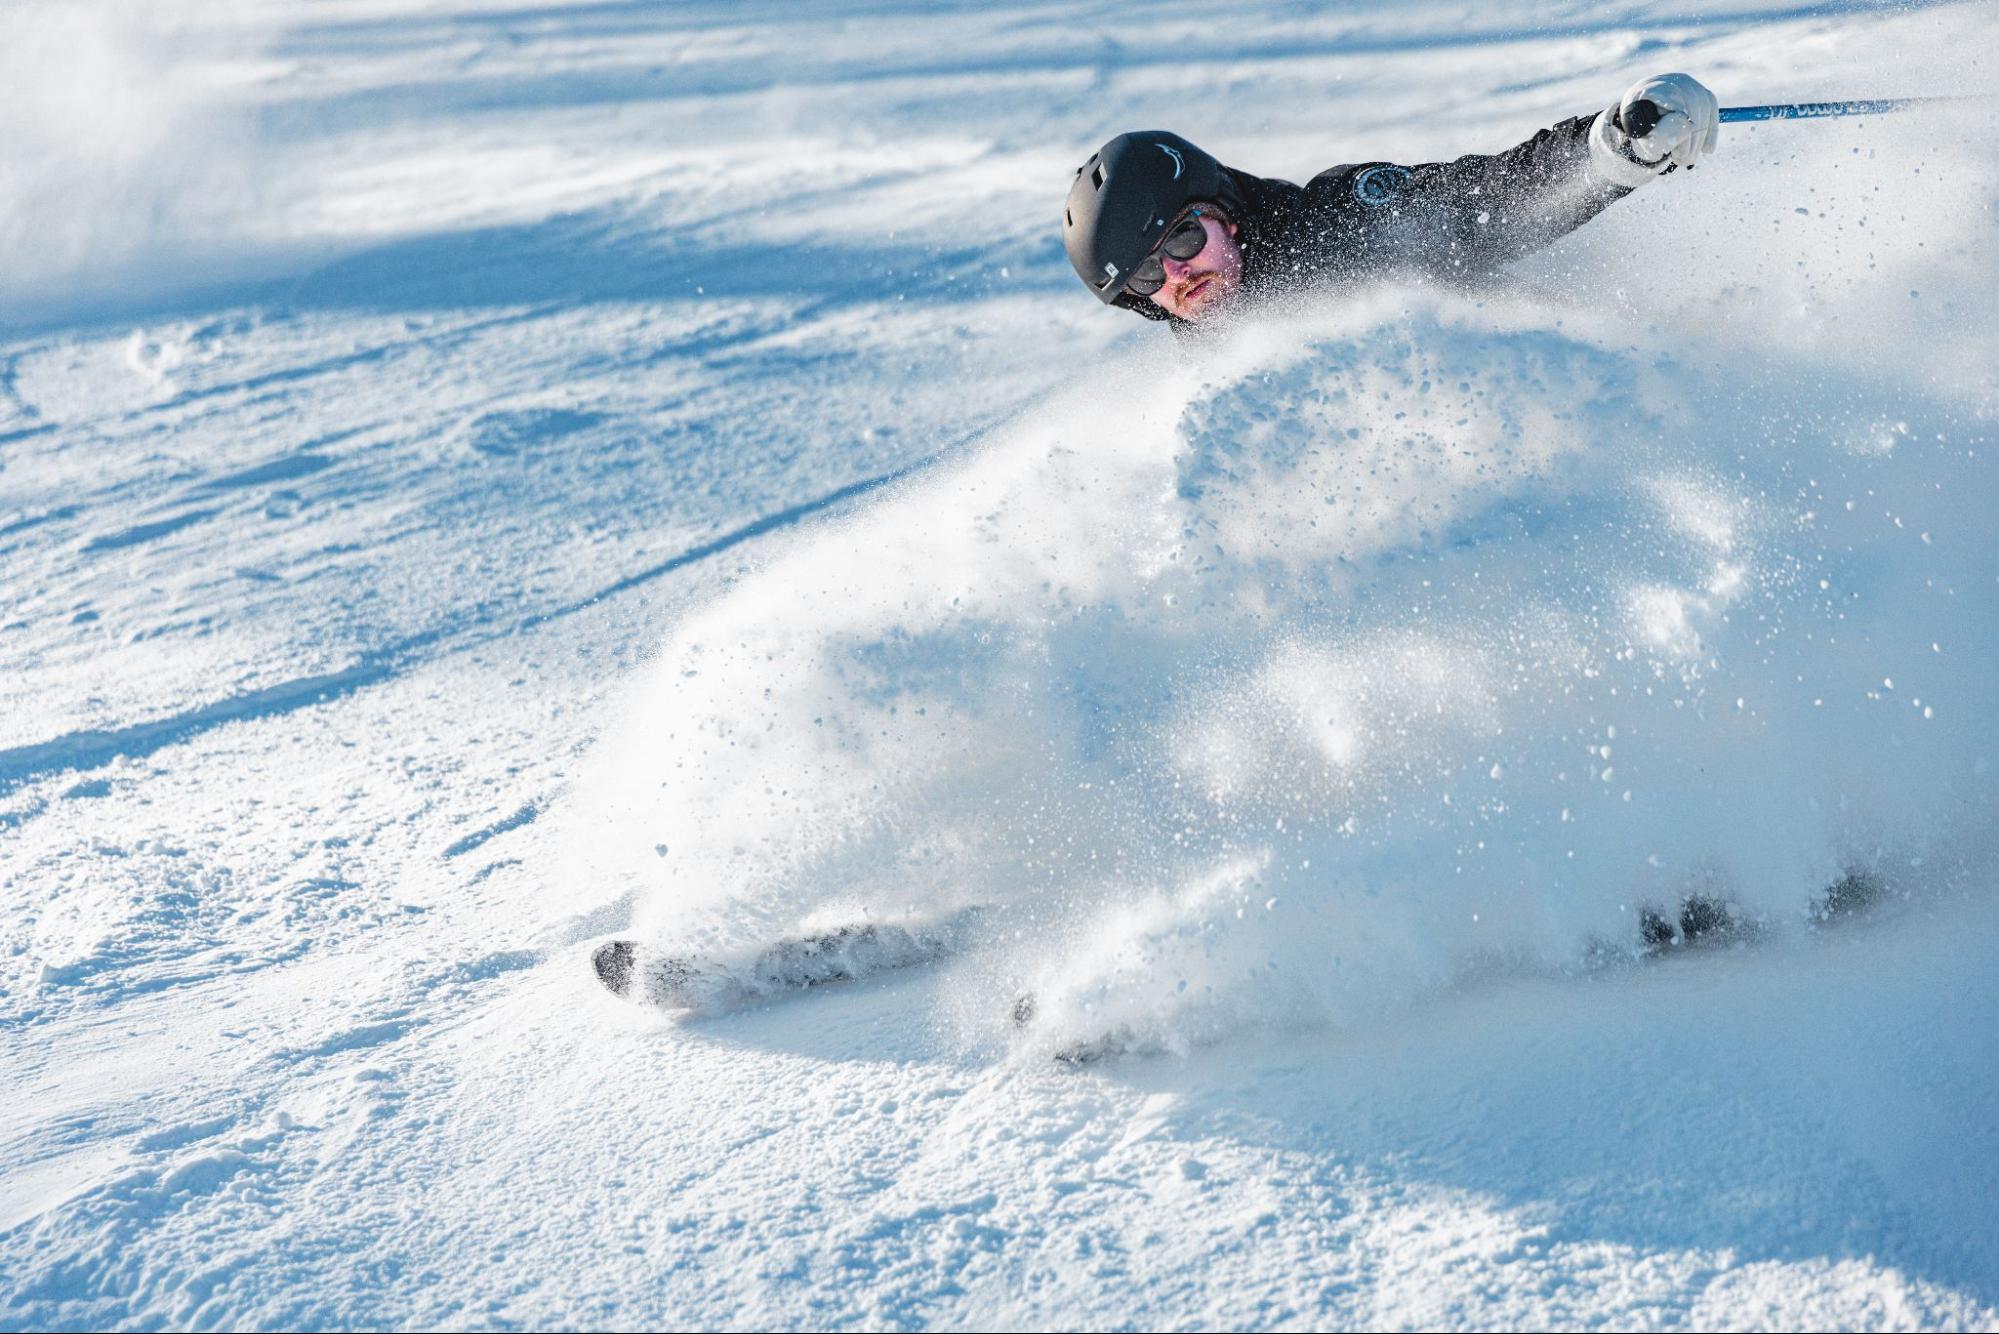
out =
column 1810, row 110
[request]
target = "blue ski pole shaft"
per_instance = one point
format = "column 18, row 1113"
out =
column 1811, row 110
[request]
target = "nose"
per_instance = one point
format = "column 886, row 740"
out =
column 1177, row 268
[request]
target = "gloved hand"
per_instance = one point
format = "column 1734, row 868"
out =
column 1660, row 123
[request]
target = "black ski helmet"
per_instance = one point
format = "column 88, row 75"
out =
column 1123, row 197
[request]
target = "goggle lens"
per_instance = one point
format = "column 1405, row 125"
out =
column 1185, row 241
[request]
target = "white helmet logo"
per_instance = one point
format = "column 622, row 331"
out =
column 1173, row 153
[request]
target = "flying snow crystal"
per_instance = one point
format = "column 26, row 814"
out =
column 1154, row 653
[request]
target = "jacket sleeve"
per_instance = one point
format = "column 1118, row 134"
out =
column 1458, row 220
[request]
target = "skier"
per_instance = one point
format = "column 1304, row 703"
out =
column 1157, row 226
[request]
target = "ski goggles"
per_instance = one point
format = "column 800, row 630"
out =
column 1187, row 239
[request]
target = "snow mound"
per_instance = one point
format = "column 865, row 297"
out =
column 1357, row 656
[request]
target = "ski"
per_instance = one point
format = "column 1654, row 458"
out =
column 1076, row 1054
column 633, row 971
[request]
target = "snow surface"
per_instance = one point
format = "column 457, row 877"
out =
column 476, row 480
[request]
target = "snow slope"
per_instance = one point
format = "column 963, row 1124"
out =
column 474, row 480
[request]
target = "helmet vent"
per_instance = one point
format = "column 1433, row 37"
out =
column 1068, row 218
column 1097, row 175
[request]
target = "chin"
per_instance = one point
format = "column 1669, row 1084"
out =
column 1202, row 305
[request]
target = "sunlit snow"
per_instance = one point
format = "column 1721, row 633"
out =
column 477, row 481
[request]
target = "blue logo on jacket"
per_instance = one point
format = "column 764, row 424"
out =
column 1380, row 184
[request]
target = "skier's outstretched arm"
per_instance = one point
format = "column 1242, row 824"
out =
column 1474, row 214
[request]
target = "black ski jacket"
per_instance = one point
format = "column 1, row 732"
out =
column 1456, row 222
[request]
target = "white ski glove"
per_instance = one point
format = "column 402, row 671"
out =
column 1660, row 123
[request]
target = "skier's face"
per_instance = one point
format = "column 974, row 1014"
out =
column 1198, row 287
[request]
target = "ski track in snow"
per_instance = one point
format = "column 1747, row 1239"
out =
column 399, row 402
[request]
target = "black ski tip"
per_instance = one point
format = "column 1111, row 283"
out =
column 1703, row 920
column 614, row 961
column 1847, row 897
